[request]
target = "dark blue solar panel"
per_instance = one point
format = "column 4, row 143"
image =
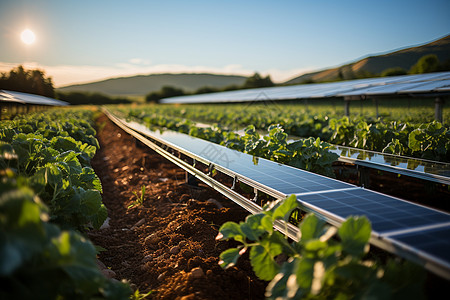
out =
column 434, row 241
column 418, row 227
column 385, row 213
column 282, row 178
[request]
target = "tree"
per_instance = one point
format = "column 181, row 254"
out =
column 426, row 64
column 80, row 98
column 165, row 92
column 256, row 81
column 393, row 72
column 27, row 81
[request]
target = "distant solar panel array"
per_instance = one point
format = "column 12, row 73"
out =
column 399, row 226
column 28, row 99
column 430, row 83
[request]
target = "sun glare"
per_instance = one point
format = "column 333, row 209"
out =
column 27, row 36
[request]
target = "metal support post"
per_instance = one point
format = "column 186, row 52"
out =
column 438, row 105
column 191, row 180
column 347, row 108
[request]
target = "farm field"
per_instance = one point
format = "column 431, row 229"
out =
column 400, row 131
column 160, row 231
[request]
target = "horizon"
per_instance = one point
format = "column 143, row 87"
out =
column 84, row 42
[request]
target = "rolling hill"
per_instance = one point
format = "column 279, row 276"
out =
column 141, row 85
column 374, row 65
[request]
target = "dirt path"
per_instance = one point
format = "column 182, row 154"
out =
column 167, row 244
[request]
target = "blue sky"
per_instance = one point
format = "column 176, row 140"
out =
column 81, row 41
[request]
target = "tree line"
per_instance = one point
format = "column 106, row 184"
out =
column 27, row 81
column 426, row 64
column 36, row 82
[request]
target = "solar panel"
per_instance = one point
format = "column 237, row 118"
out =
column 429, row 86
column 268, row 173
column 419, row 83
column 386, row 213
column 26, row 98
column 418, row 168
column 434, row 241
column 418, row 230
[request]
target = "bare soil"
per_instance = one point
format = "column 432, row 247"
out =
column 167, row 244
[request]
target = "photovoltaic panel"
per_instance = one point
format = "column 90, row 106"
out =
column 414, row 167
column 386, row 213
column 429, row 86
column 32, row 99
column 420, row 231
column 284, row 179
column 434, row 241
column 370, row 86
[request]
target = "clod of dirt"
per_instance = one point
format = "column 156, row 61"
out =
column 196, row 273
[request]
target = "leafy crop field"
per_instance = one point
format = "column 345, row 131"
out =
column 413, row 134
column 51, row 204
column 50, row 196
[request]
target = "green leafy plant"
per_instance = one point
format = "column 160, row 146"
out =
column 326, row 263
column 38, row 260
column 139, row 199
column 430, row 141
column 53, row 150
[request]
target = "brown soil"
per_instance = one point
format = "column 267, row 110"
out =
column 167, row 244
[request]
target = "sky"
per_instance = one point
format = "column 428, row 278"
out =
column 80, row 41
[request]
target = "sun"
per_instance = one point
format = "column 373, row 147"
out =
column 28, row 37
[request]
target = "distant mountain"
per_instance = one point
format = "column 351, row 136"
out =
column 375, row 65
column 143, row 84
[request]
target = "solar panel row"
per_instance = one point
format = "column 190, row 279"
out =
column 406, row 84
column 25, row 98
column 423, row 231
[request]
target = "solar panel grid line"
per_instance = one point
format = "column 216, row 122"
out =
column 328, row 191
column 416, row 229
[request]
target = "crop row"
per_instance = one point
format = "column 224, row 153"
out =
column 427, row 140
column 309, row 154
column 50, row 197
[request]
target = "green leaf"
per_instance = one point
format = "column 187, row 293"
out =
column 267, row 223
column 22, row 234
column 315, row 245
column 414, row 140
column 87, row 179
column 99, row 218
column 229, row 257
column 305, row 274
column 311, row 228
column 262, row 258
column 355, row 234
column 282, row 286
column 285, row 209
column 252, row 227
column 91, row 202
column 232, row 230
